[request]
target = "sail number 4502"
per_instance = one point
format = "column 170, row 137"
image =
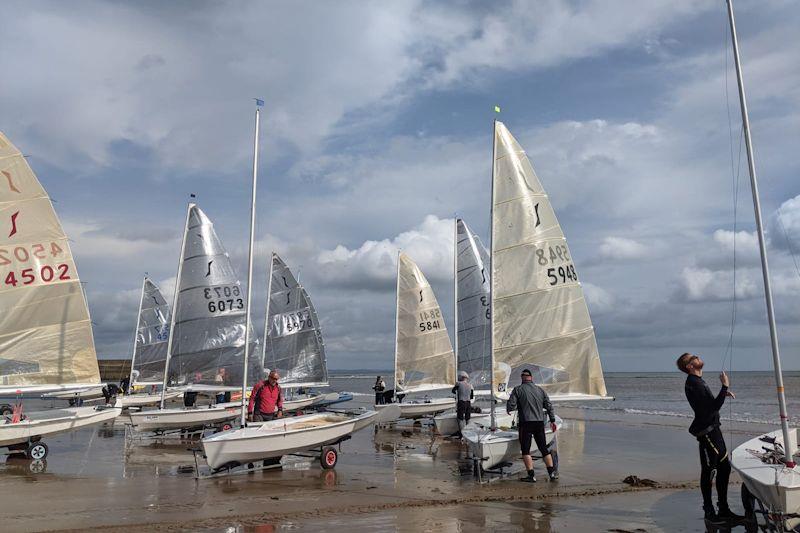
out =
column 45, row 273
column 562, row 274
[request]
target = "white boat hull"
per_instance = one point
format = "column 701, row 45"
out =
column 142, row 399
column 46, row 423
column 501, row 446
column 184, row 417
column 415, row 409
column 776, row 486
column 86, row 394
column 447, row 423
column 302, row 402
column 280, row 437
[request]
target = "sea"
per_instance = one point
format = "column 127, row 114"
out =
column 652, row 395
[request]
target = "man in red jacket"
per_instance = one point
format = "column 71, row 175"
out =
column 266, row 399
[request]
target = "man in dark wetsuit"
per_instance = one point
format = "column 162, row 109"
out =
column 533, row 405
column 706, row 429
column 464, row 395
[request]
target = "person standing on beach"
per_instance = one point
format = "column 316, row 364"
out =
column 266, row 399
column 531, row 402
column 379, row 388
column 464, row 395
column 706, row 429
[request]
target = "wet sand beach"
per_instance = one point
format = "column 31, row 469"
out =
column 404, row 478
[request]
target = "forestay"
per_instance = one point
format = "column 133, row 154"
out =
column 46, row 338
column 209, row 324
column 472, row 298
column 292, row 337
column 424, row 358
column 152, row 333
column 540, row 319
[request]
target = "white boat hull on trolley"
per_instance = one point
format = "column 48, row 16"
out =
column 302, row 402
column 493, row 448
column 414, row 409
column 39, row 424
column 86, row 394
column 447, row 423
column 142, row 399
column 776, row 486
column 280, row 437
column 184, row 417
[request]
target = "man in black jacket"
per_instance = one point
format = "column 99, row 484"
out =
column 706, row 429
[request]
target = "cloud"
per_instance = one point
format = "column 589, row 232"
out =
column 598, row 299
column 374, row 263
column 619, row 248
column 704, row 285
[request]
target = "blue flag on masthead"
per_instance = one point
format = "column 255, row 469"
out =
column 259, row 102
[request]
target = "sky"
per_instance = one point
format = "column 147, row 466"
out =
column 377, row 131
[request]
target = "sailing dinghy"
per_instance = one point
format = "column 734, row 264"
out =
column 768, row 463
column 272, row 439
column 292, row 337
column 207, row 332
column 473, row 319
column 423, row 356
column 46, row 342
column 149, row 348
column 539, row 318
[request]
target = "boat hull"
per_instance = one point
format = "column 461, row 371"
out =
column 776, row 486
column 46, row 423
column 86, row 394
column 302, row 402
column 498, row 447
column 142, row 399
column 280, row 437
column 184, row 417
column 421, row 408
column 447, row 423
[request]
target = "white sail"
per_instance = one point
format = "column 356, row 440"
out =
column 473, row 298
column 46, row 338
column 540, row 320
column 209, row 323
column 292, row 337
column 424, row 358
column 152, row 334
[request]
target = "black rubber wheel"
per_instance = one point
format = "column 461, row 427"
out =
column 37, row 451
column 226, row 426
column 6, row 410
column 329, row 457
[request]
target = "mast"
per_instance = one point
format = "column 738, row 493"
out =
column 136, row 337
column 250, row 265
column 175, row 305
column 493, row 417
column 751, row 166
column 455, row 290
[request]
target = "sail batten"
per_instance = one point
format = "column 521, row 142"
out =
column 209, row 323
column 540, row 319
column 293, row 342
column 424, row 358
column 46, row 340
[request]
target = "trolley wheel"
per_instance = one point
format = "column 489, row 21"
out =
column 329, row 457
column 37, row 451
column 226, row 426
column 6, row 409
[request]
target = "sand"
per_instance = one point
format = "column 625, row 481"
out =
column 401, row 479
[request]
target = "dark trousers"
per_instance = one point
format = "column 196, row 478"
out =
column 263, row 417
column 714, row 459
column 533, row 431
column 380, row 399
column 463, row 410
